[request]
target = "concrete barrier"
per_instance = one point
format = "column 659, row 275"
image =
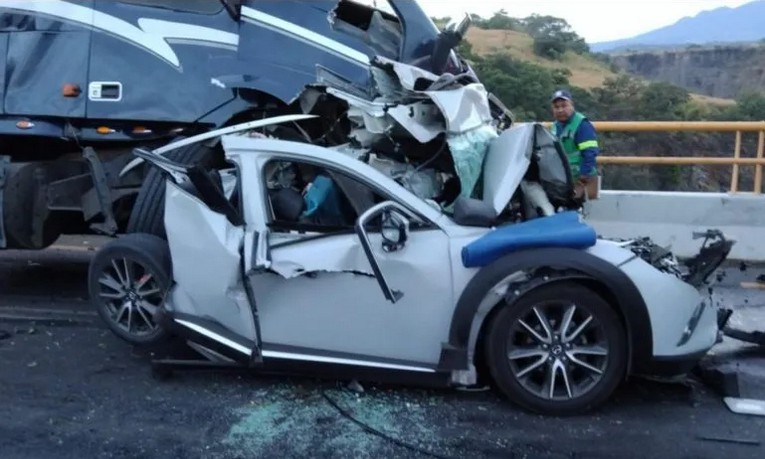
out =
column 671, row 218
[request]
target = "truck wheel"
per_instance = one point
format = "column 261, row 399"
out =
column 558, row 350
column 127, row 281
column 148, row 211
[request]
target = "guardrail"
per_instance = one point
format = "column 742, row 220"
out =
column 738, row 127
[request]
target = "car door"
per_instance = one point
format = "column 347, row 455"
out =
column 205, row 233
column 318, row 288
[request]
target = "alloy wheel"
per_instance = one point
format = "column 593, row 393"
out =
column 557, row 350
column 130, row 295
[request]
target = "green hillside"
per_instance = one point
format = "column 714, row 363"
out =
column 522, row 61
column 585, row 70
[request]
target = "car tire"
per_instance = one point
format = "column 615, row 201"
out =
column 127, row 282
column 583, row 367
column 148, row 212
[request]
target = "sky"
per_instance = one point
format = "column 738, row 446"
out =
column 595, row 20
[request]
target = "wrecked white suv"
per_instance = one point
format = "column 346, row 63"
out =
column 308, row 258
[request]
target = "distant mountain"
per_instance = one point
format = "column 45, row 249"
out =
column 745, row 23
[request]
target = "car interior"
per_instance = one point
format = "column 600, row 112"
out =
column 305, row 197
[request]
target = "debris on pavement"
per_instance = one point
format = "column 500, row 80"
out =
column 355, row 386
column 740, row 378
column 753, row 337
column 758, row 284
column 746, row 406
column 741, row 441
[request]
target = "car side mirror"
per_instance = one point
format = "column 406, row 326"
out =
column 394, row 230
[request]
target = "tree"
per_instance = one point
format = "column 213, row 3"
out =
column 549, row 47
column 662, row 101
column 502, row 21
column 523, row 86
column 553, row 36
column 750, row 105
column 617, row 98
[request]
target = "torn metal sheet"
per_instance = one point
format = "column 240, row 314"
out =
column 408, row 75
column 296, row 260
column 464, row 108
column 420, row 119
column 503, row 172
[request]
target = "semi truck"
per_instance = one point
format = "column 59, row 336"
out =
column 86, row 82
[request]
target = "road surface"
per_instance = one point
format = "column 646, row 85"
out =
column 69, row 388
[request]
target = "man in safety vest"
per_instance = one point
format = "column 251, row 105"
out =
column 579, row 141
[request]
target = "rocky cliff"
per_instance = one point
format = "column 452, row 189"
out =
column 719, row 71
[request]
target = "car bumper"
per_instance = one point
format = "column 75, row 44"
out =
column 685, row 323
column 683, row 363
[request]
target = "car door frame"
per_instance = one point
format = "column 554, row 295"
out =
column 255, row 209
column 252, row 155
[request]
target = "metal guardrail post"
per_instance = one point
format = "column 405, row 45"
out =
column 736, row 155
column 758, row 168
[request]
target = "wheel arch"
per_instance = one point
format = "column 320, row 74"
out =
column 477, row 305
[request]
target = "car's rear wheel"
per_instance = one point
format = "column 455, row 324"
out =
column 559, row 350
column 127, row 281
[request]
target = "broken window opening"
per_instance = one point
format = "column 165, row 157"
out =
column 372, row 21
column 309, row 198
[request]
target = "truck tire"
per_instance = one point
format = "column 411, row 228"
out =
column 148, row 211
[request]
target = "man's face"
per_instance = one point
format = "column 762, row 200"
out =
column 562, row 110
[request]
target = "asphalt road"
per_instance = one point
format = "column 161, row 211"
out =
column 69, row 388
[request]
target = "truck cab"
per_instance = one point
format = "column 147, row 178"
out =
column 84, row 82
column 181, row 61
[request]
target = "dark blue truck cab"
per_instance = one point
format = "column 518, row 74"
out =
column 84, row 82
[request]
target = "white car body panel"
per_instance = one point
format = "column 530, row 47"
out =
column 330, row 254
column 504, row 172
column 205, row 251
column 327, row 300
column 671, row 305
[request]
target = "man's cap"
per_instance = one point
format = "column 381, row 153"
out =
column 561, row 94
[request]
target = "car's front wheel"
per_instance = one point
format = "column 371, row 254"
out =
column 127, row 281
column 560, row 349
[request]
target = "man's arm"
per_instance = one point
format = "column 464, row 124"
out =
column 586, row 140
